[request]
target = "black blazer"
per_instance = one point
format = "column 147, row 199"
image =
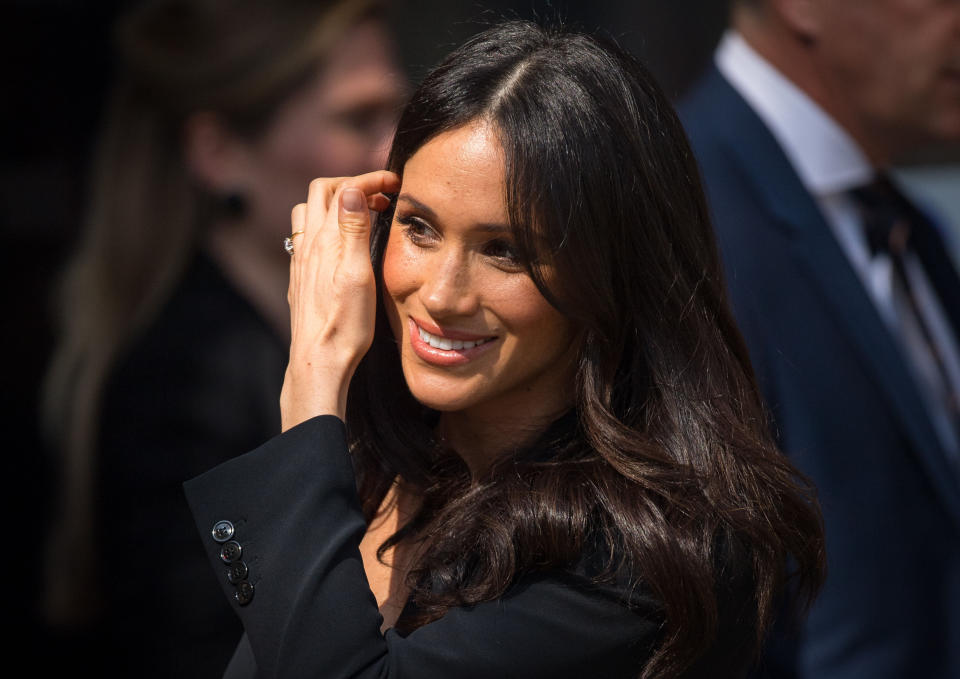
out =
column 845, row 408
column 303, row 598
column 197, row 387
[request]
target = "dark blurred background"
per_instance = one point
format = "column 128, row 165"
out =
column 57, row 65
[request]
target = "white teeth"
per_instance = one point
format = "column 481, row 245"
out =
column 447, row 344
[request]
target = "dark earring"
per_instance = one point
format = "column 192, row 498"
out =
column 234, row 204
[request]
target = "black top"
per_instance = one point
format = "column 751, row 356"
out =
column 289, row 512
column 199, row 386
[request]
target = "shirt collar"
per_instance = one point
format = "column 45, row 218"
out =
column 824, row 155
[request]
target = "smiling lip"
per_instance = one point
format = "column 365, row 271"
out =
column 443, row 356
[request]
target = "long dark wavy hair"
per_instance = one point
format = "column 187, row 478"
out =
column 665, row 457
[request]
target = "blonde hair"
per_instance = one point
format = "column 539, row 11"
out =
column 236, row 58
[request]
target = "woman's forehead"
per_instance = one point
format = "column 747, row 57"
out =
column 458, row 171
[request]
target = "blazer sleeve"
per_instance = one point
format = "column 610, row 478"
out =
column 295, row 525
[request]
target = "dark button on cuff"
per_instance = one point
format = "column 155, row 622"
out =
column 222, row 531
column 237, row 572
column 231, row 552
column 244, row 593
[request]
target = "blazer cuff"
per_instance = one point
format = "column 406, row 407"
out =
column 235, row 504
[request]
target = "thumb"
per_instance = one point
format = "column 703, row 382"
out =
column 354, row 221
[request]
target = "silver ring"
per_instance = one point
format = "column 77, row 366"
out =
column 288, row 242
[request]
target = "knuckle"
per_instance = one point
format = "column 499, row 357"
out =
column 319, row 185
column 350, row 227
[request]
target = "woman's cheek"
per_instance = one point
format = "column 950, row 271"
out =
column 518, row 300
column 398, row 280
column 399, row 267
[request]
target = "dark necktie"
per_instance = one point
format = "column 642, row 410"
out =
column 888, row 220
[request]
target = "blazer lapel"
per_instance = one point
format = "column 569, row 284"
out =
column 831, row 274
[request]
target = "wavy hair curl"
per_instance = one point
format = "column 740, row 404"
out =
column 666, row 457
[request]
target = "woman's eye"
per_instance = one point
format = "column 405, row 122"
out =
column 504, row 251
column 416, row 230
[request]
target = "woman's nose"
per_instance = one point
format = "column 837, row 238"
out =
column 448, row 288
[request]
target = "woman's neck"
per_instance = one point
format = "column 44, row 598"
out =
column 480, row 438
column 260, row 275
column 510, row 421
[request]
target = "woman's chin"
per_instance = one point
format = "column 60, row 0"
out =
column 443, row 405
column 442, row 397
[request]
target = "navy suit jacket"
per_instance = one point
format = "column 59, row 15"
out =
column 844, row 406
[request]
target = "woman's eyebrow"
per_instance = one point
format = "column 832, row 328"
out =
column 417, row 205
column 430, row 214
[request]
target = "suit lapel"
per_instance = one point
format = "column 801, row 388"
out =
column 940, row 271
column 830, row 273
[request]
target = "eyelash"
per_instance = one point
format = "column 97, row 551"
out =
column 503, row 246
column 414, row 229
column 419, row 233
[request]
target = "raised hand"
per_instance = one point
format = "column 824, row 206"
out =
column 332, row 293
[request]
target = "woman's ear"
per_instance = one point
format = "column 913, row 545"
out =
column 216, row 157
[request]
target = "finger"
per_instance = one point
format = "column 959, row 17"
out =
column 298, row 217
column 319, row 200
column 381, row 181
column 354, row 222
column 378, row 202
column 323, row 190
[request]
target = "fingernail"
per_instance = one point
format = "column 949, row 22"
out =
column 354, row 200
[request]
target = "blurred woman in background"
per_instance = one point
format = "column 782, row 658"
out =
column 172, row 313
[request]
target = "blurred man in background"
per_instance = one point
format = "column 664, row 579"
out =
column 850, row 306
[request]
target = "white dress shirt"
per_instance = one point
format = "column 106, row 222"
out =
column 829, row 164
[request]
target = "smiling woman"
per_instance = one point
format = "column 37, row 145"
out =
column 453, row 277
column 555, row 462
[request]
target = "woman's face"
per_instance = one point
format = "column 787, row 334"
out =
column 339, row 124
column 474, row 332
